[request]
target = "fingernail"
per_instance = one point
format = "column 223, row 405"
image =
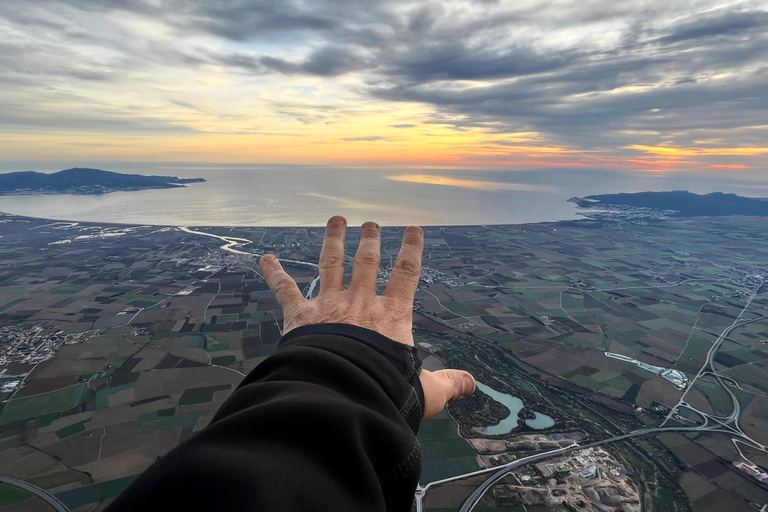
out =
column 415, row 230
column 468, row 385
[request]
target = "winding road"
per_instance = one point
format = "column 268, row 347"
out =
column 721, row 424
column 712, row 423
column 44, row 495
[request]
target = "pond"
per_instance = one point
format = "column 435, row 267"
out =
column 515, row 405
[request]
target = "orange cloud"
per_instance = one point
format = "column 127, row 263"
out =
column 430, row 179
column 661, row 150
column 728, row 166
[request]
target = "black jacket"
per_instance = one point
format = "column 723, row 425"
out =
column 327, row 423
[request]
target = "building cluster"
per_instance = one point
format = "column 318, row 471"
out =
column 586, row 464
column 432, row 275
column 624, row 213
column 588, row 479
column 28, row 345
column 753, row 470
column 676, row 377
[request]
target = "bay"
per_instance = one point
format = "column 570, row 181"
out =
column 243, row 195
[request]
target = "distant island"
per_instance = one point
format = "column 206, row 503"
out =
column 84, row 181
column 680, row 203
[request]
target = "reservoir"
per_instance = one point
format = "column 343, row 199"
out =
column 515, row 405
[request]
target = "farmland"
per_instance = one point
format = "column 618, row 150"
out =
column 120, row 342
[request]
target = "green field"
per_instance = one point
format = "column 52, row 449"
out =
column 10, row 495
column 200, row 395
column 33, row 406
column 9, row 305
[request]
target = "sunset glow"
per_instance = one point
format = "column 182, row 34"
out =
column 179, row 82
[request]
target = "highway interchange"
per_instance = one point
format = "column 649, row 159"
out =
column 728, row 425
column 711, row 423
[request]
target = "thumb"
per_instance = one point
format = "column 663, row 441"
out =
column 443, row 386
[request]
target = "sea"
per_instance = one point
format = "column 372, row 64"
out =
column 261, row 195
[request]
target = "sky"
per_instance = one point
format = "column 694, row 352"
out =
column 653, row 85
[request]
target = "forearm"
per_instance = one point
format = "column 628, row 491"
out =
column 325, row 423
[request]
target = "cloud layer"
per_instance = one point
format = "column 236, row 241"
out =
column 467, row 82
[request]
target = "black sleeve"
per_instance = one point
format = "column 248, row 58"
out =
column 326, row 423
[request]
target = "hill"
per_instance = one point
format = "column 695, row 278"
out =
column 84, row 181
column 684, row 203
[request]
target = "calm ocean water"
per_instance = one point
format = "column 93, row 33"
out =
column 302, row 196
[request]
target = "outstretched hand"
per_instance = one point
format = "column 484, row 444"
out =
column 390, row 314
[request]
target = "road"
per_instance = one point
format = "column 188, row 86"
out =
column 726, row 425
column 49, row 498
column 730, row 422
column 502, row 471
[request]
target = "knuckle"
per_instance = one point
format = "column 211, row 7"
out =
column 411, row 239
column 331, row 262
column 409, row 266
column 368, row 258
column 282, row 281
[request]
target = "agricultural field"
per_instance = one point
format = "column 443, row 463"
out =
column 119, row 342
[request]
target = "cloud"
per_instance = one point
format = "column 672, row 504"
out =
column 741, row 151
column 370, row 138
column 718, row 24
column 329, row 61
column 593, row 76
column 494, row 186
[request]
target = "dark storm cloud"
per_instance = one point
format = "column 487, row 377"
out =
column 648, row 81
column 457, row 62
column 329, row 61
column 727, row 24
column 242, row 21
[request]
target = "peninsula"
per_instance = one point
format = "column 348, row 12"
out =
column 84, row 182
column 680, row 203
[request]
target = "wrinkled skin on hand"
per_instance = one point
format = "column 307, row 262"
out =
column 390, row 314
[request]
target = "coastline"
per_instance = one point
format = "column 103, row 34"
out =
column 298, row 226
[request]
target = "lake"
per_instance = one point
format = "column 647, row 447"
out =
column 515, row 405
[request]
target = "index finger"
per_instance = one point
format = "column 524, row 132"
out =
column 406, row 273
column 282, row 285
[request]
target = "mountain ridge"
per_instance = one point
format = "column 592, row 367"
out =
column 85, row 181
column 682, row 202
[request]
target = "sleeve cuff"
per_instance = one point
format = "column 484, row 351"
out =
column 405, row 358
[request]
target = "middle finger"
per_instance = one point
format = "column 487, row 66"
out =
column 331, row 264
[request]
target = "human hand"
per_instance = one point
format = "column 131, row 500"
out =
column 390, row 314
